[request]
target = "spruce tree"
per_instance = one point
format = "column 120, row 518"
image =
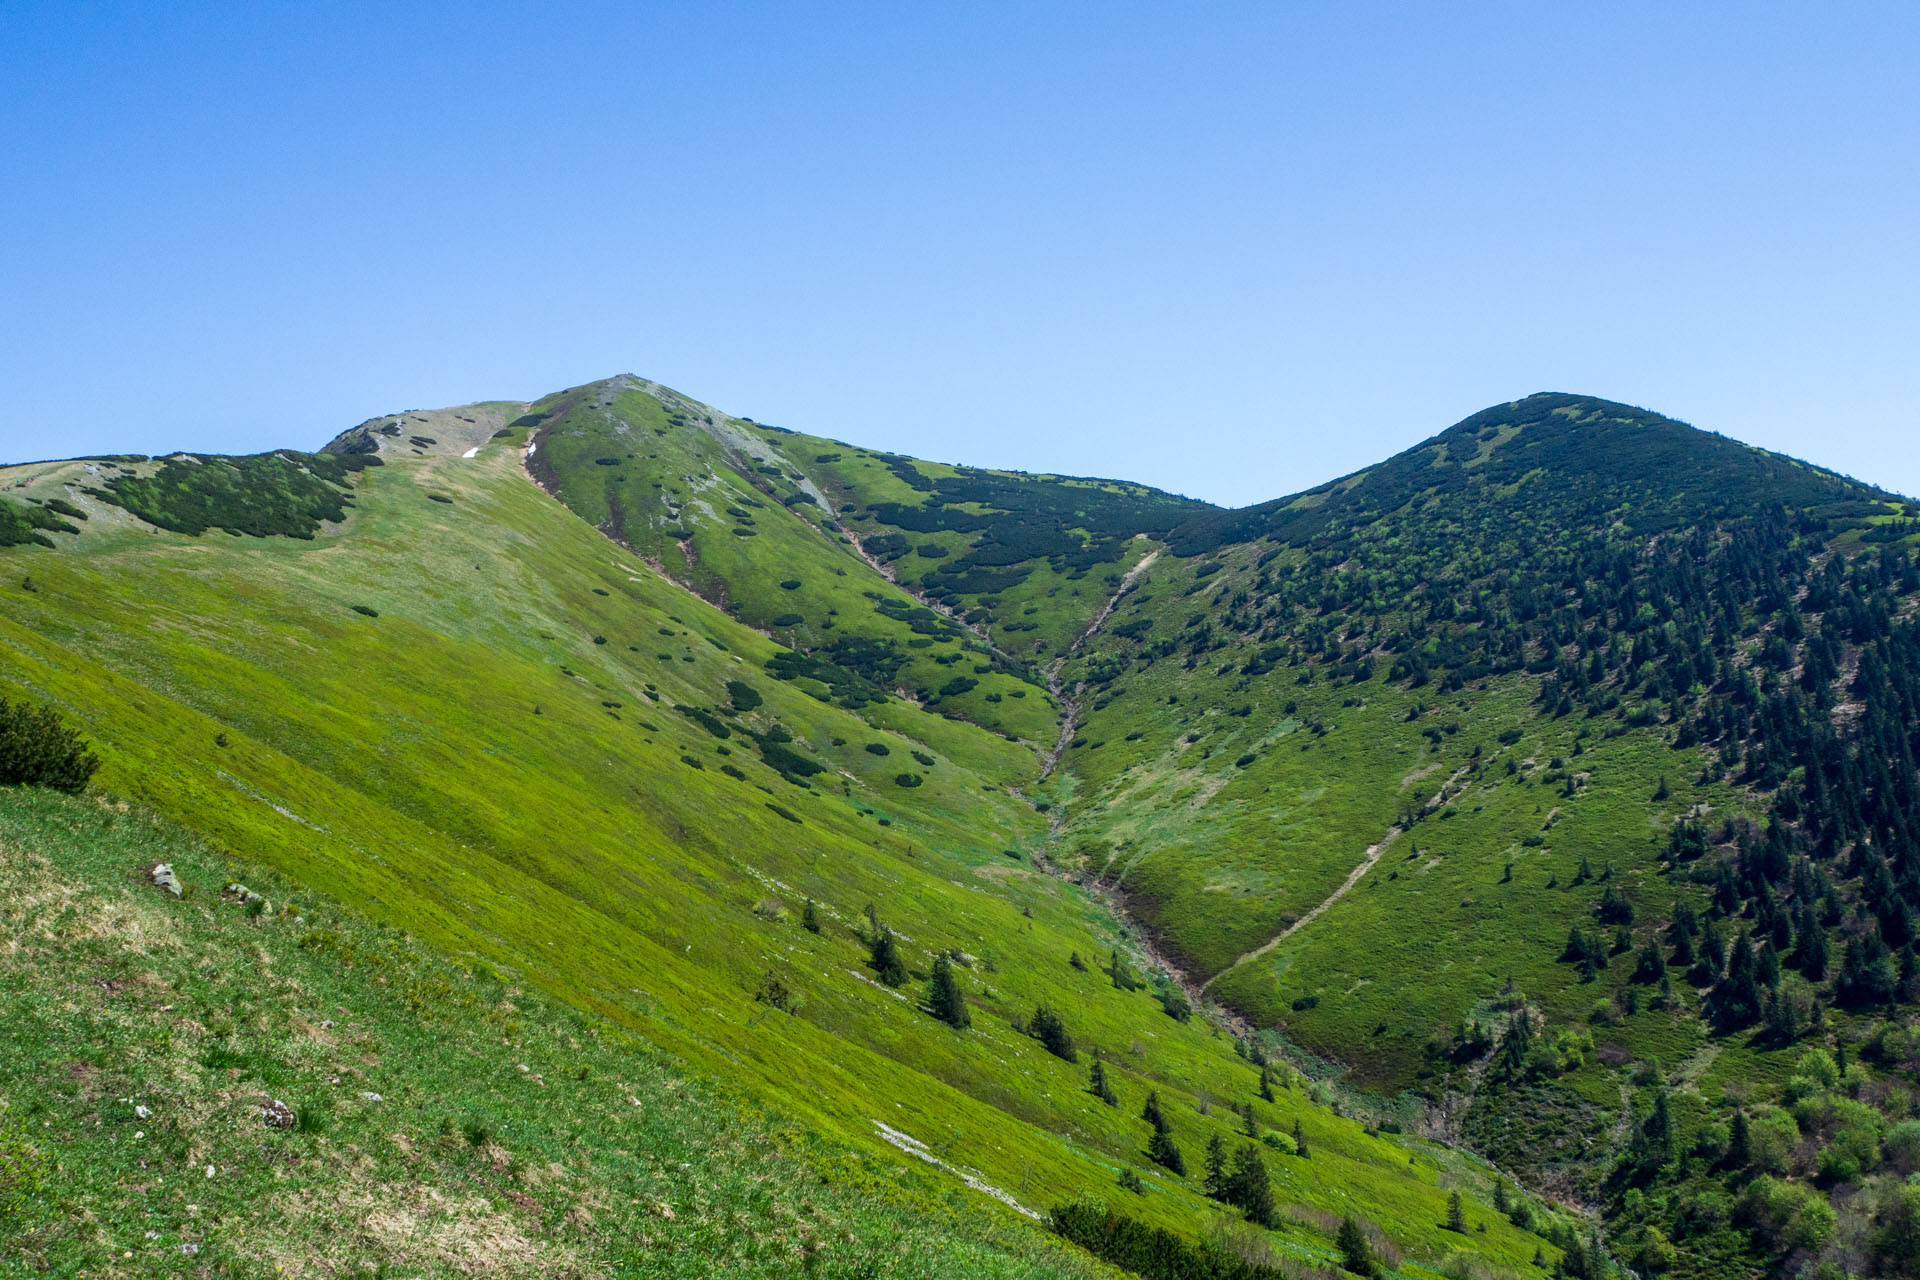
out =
column 1219, row 1182
column 1164, row 1152
column 1299, row 1140
column 1456, row 1214
column 1655, row 1139
column 944, row 997
column 1152, row 1114
column 1518, row 1040
column 1739, row 1143
column 1252, row 1190
column 1047, row 1028
column 1735, row 1001
column 1356, row 1255
column 1652, row 966
column 1266, row 1082
column 1812, row 951
column 810, row 917
column 1251, row 1127
column 885, row 957
column 1097, row 1084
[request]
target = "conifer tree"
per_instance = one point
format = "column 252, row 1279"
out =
column 1151, row 1112
column 1518, row 1040
column 1657, row 1135
column 1050, row 1031
column 945, row 998
column 1299, row 1140
column 1456, row 1214
column 1251, row 1127
column 1252, row 1190
column 1266, row 1082
column 1739, row 1142
column 1097, row 1084
column 810, row 917
column 885, row 957
column 1812, row 951
column 1652, row 965
column 1163, row 1151
column 1356, row 1255
column 1219, row 1181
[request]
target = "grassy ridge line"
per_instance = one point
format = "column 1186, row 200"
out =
column 608, row 864
column 443, row 1122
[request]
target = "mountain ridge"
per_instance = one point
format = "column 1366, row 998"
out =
column 949, row 680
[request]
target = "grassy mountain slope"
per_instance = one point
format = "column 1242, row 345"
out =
column 461, row 708
column 440, row 1121
column 719, row 506
column 1359, row 678
column 1560, row 767
column 1439, row 768
column 1553, row 782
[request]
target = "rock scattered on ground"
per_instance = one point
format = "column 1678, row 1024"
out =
column 246, row 896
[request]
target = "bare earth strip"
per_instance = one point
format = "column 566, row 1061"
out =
column 1069, row 703
column 1353, row 877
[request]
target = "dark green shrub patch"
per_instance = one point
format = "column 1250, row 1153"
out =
column 38, row 750
column 21, row 524
column 283, row 494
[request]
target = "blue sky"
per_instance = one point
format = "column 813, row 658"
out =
column 1231, row 250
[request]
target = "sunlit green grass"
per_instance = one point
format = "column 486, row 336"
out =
column 452, row 766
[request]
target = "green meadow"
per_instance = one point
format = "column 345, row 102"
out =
column 465, row 713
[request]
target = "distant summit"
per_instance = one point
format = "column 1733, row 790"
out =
column 1560, row 457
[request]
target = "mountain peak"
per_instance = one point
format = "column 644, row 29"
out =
column 1566, row 459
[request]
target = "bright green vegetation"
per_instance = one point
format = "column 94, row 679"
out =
column 722, row 507
column 1549, row 788
column 468, row 714
column 365, row 1108
column 1365, row 760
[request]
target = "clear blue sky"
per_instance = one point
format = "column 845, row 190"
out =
column 1231, row 250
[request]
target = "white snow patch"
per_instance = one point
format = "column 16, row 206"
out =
column 471, row 452
column 914, row 1147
